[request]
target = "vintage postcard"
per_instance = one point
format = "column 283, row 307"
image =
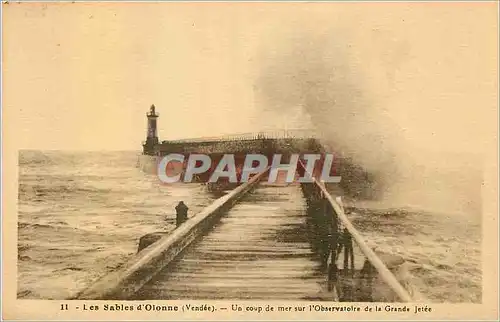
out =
column 249, row 160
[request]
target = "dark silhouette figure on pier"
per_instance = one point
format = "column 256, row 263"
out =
column 181, row 213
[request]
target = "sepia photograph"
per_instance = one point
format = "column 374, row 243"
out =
column 320, row 153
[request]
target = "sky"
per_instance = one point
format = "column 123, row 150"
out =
column 83, row 75
column 408, row 90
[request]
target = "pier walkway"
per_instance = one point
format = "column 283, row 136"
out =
column 258, row 241
column 259, row 250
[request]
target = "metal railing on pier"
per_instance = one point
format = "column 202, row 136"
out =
column 339, row 239
column 280, row 134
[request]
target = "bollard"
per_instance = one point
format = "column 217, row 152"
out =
column 149, row 239
column 181, row 213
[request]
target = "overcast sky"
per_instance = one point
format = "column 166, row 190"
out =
column 83, row 75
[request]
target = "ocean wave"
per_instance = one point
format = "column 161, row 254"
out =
column 58, row 225
column 55, row 230
column 81, row 215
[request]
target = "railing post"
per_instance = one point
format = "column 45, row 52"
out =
column 334, row 241
column 348, row 272
column 335, row 245
column 384, row 273
column 324, row 226
column 348, row 254
column 366, row 276
column 351, row 254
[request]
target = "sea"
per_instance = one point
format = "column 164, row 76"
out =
column 81, row 214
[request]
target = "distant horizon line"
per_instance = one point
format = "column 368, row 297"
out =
column 89, row 150
column 140, row 151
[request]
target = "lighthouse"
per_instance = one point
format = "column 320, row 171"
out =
column 152, row 132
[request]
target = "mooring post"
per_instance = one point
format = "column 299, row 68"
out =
column 150, row 239
column 181, row 213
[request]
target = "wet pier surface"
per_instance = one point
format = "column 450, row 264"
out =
column 259, row 250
